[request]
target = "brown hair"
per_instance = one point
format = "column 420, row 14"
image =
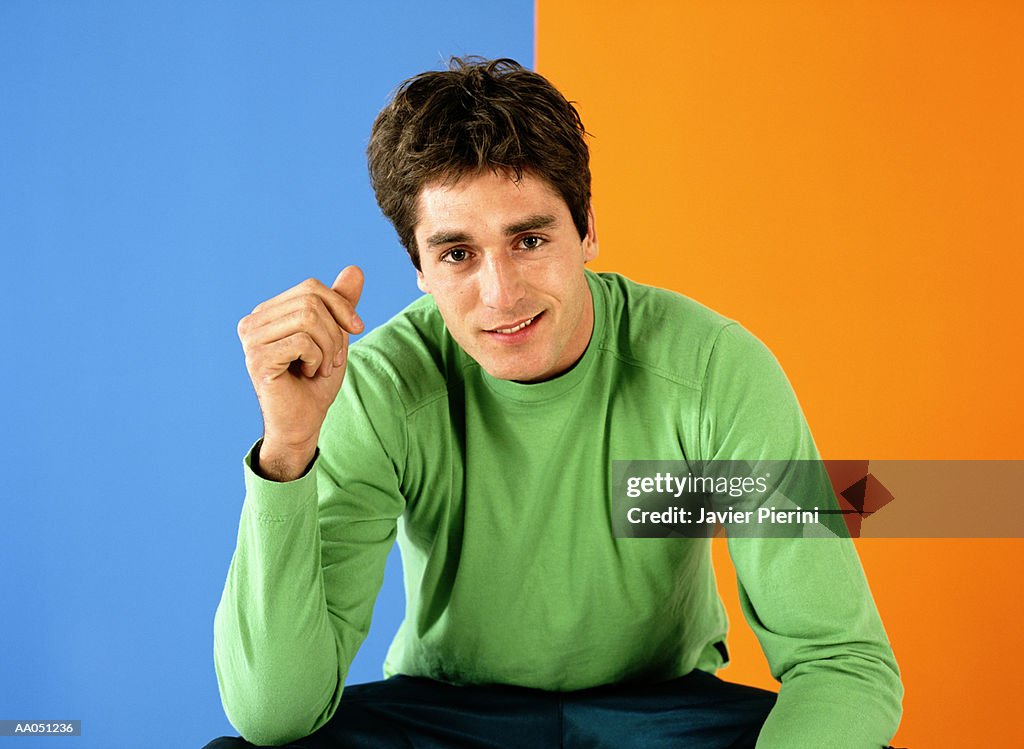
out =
column 478, row 114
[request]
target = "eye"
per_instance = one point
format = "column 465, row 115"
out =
column 455, row 256
column 531, row 242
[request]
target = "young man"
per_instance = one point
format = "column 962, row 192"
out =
column 479, row 428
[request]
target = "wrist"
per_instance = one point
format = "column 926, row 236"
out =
column 277, row 462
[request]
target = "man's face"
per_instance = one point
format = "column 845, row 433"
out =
column 504, row 263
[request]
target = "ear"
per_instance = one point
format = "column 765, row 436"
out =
column 421, row 281
column 590, row 248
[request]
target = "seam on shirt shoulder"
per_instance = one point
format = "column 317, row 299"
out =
column 407, row 409
column 658, row 371
column 426, row 400
column 409, row 406
column 704, row 380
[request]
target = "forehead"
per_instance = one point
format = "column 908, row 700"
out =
column 485, row 199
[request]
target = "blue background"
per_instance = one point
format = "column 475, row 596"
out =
column 163, row 168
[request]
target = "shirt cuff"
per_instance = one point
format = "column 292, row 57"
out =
column 278, row 498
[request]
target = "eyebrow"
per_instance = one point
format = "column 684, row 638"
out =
column 530, row 223
column 439, row 238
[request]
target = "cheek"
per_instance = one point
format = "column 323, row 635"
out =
column 563, row 278
column 568, row 287
column 455, row 303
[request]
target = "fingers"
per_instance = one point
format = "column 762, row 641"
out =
column 338, row 304
column 349, row 284
column 300, row 347
column 309, row 322
column 309, row 316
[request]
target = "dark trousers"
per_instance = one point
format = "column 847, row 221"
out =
column 696, row 711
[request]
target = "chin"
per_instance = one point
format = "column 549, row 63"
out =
column 516, row 373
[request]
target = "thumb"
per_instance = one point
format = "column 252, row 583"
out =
column 349, row 284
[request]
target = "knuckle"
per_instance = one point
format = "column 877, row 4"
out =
column 308, row 316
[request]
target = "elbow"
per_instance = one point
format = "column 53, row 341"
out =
column 266, row 713
column 273, row 691
column 261, row 732
column 268, row 700
column 265, row 728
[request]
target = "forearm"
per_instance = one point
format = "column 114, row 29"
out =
column 275, row 650
column 846, row 702
column 824, row 641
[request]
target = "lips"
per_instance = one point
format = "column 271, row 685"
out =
column 515, row 327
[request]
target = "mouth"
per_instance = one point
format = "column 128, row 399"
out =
column 516, row 327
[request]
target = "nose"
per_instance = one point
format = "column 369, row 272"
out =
column 501, row 283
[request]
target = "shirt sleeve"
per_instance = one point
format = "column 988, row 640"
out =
column 307, row 568
column 806, row 599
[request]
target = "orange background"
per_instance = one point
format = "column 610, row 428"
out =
column 847, row 181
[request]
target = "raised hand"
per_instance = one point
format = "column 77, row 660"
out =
column 296, row 349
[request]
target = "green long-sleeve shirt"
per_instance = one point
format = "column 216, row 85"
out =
column 498, row 494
